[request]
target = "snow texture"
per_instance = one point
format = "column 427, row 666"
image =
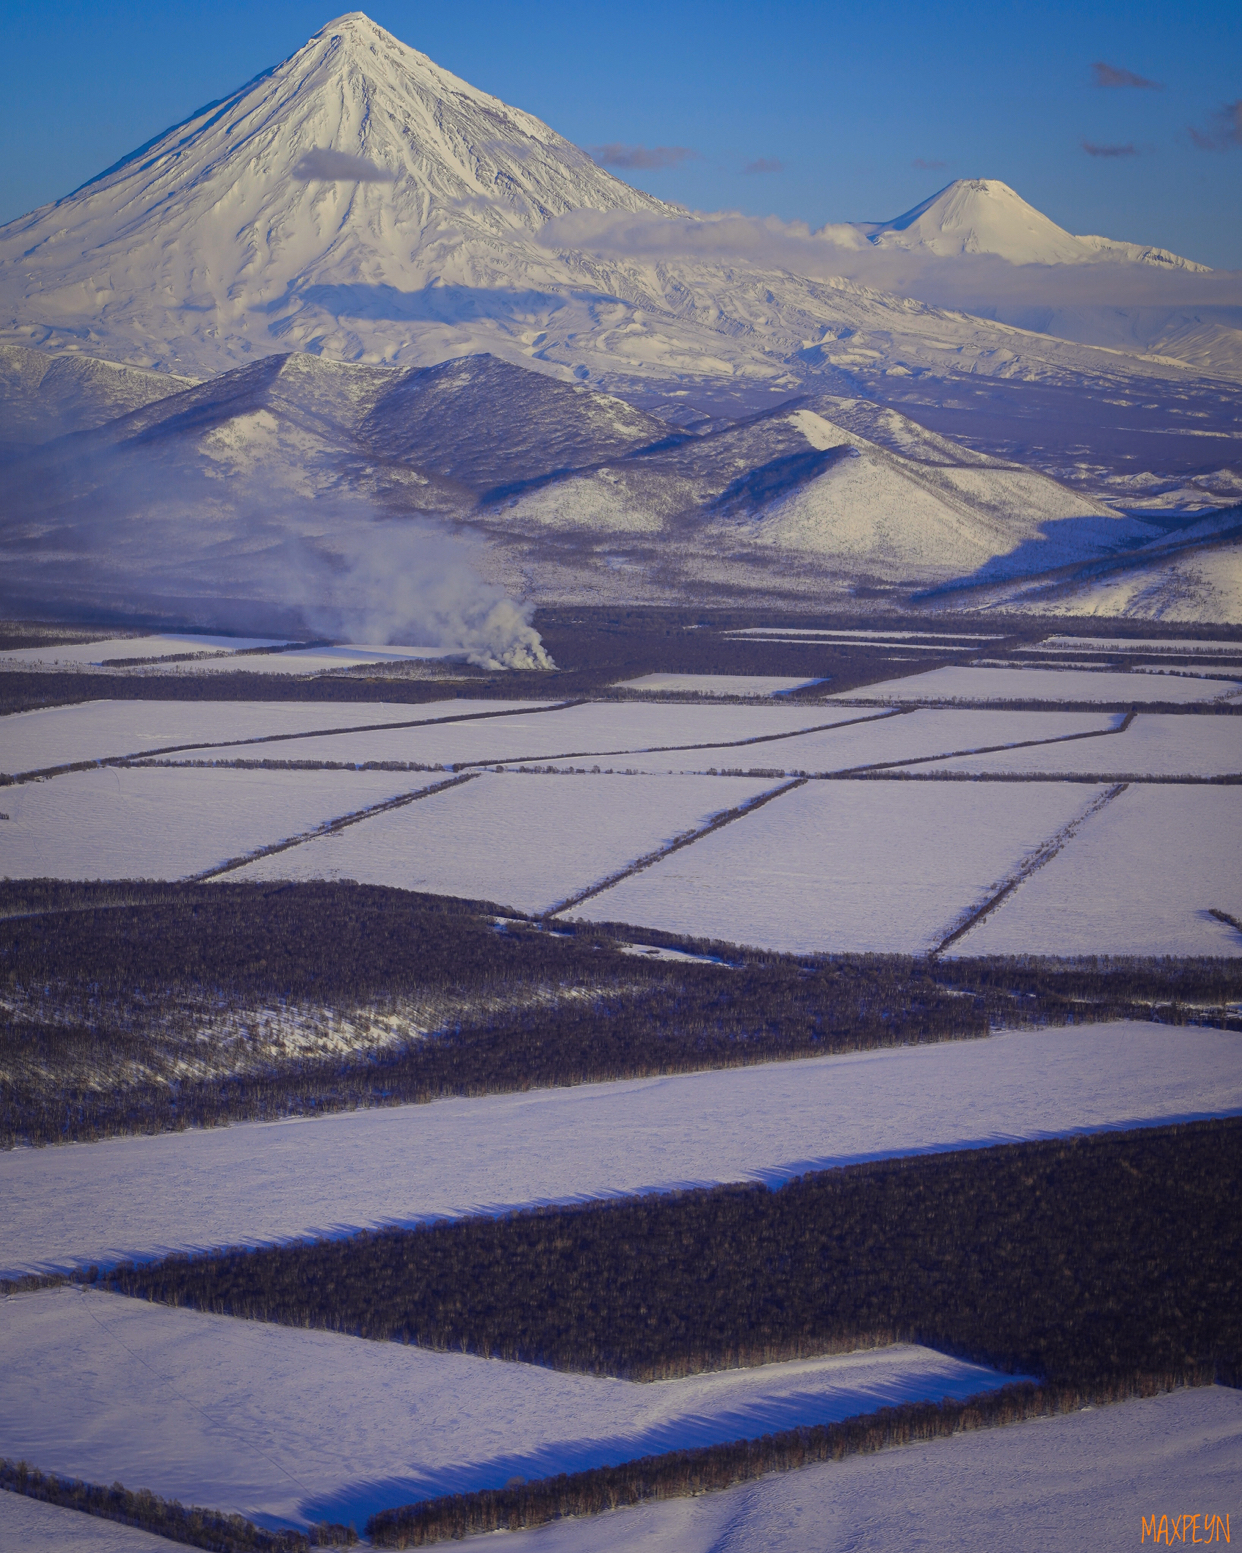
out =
column 289, row 1425
column 256, row 1183
column 1155, row 744
column 33, row 1527
column 967, row 683
column 107, row 730
column 1140, row 877
column 521, row 841
column 596, row 728
column 864, row 738
column 169, row 645
column 883, row 867
column 1050, row 1483
column 320, row 660
column 717, row 684
column 158, row 823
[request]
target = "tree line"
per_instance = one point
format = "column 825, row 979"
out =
column 112, row 974
column 678, row 1474
column 1079, row 1260
column 215, row 1530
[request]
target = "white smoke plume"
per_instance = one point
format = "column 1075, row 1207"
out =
column 403, row 582
column 135, row 535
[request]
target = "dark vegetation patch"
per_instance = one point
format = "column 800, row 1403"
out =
column 1083, row 1261
column 678, row 1474
column 118, row 995
column 193, row 1526
column 595, row 647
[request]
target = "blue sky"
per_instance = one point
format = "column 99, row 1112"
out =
column 834, row 106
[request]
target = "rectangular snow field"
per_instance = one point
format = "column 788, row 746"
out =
column 1049, row 1483
column 254, row 1183
column 282, row 1424
column 862, row 738
column 1182, row 647
column 523, row 841
column 107, row 730
column 1156, row 744
column 1139, row 878
column 31, row 1526
column 717, row 684
column 857, row 867
column 160, row 823
column 125, row 648
column 960, row 682
column 320, row 660
column 588, row 733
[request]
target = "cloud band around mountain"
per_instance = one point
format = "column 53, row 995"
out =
column 323, row 165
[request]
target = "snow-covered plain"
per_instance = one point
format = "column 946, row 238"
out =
column 33, row 1527
column 107, row 730
column 595, row 728
column 1139, row 878
column 261, row 1182
column 1155, row 744
column 287, row 1425
column 153, row 648
column 525, row 841
column 887, row 867
column 320, row 660
column 962, row 682
column 716, row 684
column 171, row 823
column 1087, row 1477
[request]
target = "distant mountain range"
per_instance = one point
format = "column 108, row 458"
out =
column 401, row 291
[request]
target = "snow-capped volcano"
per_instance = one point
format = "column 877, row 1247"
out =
column 984, row 215
column 357, row 163
column 360, row 203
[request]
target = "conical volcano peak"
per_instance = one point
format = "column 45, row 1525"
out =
column 980, row 215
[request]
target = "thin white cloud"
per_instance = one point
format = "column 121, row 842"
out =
column 322, row 165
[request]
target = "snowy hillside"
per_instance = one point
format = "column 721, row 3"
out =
column 260, row 494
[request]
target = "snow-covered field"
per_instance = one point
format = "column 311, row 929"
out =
column 1087, row 1477
column 261, row 1182
column 108, row 730
column 152, row 648
column 1139, row 878
column 287, row 1425
column 32, row 1527
column 523, row 841
column 831, row 866
column 716, row 684
column 869, row 737
column 321, row 660
column 157, row 823
column 1155, row 744
column 963, row 682
column 589, row 730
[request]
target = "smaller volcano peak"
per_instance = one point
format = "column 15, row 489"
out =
column 980, row 215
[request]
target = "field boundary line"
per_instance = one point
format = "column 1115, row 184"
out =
column 1030, row 865
column 12, row 779
column 688, row 838
column 328, row 828
column 992, row 749
column 673, row 749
